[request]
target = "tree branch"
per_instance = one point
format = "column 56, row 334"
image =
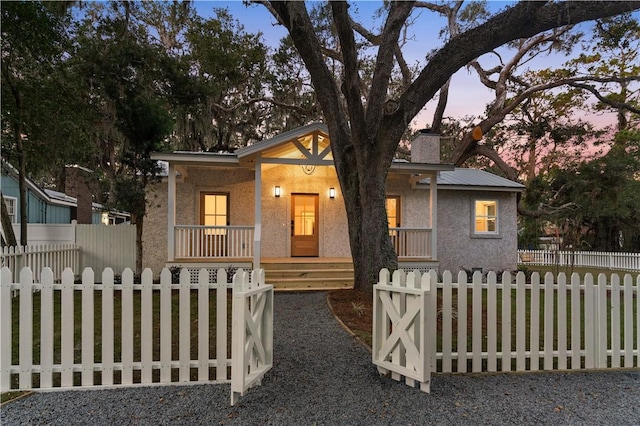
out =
column 605, row 100
column 523, row 20
column 465, row 148
column 351, row 79
column 398, row 14
column 294, row 16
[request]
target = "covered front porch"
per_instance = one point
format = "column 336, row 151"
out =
column 281, row 199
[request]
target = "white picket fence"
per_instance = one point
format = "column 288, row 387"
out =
column 507, row 325
column 97, row 247
column 156, row 341
column 54, row 256
column 587, row 259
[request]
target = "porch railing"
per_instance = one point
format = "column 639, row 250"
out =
column 412, row 242
column 193, row 241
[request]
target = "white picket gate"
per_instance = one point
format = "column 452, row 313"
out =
column 252, row 321
column 402, row 338
column 150, row 352
column 490, row 325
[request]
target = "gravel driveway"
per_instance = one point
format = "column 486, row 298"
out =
column 321, row 376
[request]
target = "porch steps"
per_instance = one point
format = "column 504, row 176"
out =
column 313, row 275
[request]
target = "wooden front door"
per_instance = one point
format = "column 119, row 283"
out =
column 304, row 225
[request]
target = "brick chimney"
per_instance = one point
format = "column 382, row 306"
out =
column 425, row 147
column 76, row 184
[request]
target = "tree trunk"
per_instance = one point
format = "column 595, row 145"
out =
column 22, row 159
column 371, row 248
column 364, row 188
column 22, row 185
column 138, row 221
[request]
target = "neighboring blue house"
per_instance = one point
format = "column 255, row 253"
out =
column 48, row 206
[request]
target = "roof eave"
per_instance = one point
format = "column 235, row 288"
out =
column 475, row 187
column 196, row 159
column 411, row 168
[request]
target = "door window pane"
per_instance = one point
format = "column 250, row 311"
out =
column 304, row 212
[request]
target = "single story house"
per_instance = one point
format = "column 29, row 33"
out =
column 205, row 212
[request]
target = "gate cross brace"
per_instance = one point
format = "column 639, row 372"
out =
column 400, row 326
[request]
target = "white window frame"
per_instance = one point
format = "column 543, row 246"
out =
column 12, row 207
column 485, row 216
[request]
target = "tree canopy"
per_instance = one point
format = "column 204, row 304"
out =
column 104, row 84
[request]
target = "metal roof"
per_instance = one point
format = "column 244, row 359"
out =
column 474, row 179
column 58, row 197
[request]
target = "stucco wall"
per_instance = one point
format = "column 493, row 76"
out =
column 276, row 212
column 459, row 249
column 154, row 234
column 457, row 246
column 414, row 203
column 237, row 182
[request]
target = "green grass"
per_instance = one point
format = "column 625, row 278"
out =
column 568, row 270
column 527, row 318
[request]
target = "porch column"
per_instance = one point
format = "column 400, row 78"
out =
column 171, row 213
column 433, row 214
column 257, row 231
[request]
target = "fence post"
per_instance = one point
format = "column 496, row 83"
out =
column 184, row 321
column 66, row 329
column 5, row 329
column 221, row 327
column 165, row 326
column 203, row 325
column 107, row 327
column 146, row 326
column 26, row 327
column 601, row 316
column 590, row 321
column 87, row 333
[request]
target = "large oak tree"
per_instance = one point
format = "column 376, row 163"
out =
column 366, row 126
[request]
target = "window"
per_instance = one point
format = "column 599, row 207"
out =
column 214, row 210
column 486, row 217
column 393, row 211
column 12, row 208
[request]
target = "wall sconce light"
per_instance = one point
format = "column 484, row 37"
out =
column 332, row 193
column 276, row 191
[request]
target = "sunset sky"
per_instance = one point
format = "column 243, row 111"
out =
column 467, row 95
